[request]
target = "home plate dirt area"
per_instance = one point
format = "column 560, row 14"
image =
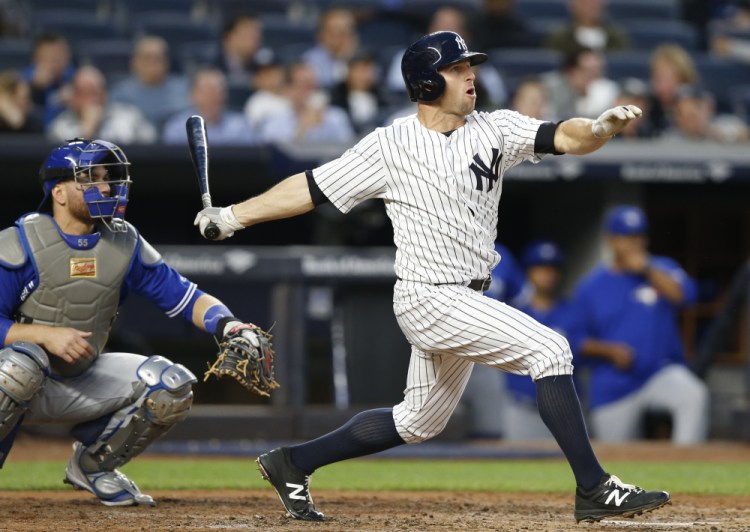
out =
column 368, row 511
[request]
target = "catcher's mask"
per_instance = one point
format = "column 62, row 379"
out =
column 90, row 163
column 423, row 59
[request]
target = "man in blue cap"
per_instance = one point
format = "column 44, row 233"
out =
column 630, row 337
column 542, row 261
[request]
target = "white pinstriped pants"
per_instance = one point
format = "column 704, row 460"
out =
column 450, row 327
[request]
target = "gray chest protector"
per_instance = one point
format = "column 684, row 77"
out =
column 78, row 288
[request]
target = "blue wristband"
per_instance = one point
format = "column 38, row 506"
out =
column 212, row 316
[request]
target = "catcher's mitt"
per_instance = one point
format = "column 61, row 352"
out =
column 240, row 358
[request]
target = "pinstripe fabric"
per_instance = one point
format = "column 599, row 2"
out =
column 442, row 194
column 450, row 327
column 444, row 226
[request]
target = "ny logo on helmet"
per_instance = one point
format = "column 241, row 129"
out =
column 461, row 43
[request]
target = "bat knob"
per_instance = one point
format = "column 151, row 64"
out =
column 211, row 231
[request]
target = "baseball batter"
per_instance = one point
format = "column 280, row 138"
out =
column 440, row 174
column 64, row 271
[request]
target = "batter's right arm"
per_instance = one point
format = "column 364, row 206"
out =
column 579, row 136
column 289, row 198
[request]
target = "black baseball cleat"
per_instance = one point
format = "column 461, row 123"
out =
column 291, row 485
column 612, row 498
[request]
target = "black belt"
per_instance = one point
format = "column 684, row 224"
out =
column 478, row 285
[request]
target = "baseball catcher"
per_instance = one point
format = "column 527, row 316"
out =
column 245, row 354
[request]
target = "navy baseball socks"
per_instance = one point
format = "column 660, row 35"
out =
column 288, row 469
column 598, row 494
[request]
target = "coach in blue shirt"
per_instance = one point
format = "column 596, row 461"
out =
column 628, row 316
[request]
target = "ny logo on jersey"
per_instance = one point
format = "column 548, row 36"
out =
column 461, row 43
column 489, row 172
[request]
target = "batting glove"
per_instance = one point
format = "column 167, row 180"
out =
column 614, row 120
column 224, row 219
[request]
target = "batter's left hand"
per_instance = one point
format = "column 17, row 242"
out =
column 224, row 219
column 614, row 120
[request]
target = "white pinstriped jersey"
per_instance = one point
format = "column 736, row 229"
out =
column 441, row 191
column 442, row 194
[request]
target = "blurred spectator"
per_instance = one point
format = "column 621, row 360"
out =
column 588, row 27
column 16, row 110
column 359, row 95
column 242, row 49
column 730, row 35
column 90, row 115
column 209, row 96
column 508, row 280
column 634, row 91
column 12, row 20
column 310, row 117
column 484, row 391
column 151, row 87
column 543, row 262
column 531, row 99
column 630, row 336
column 579, row 87
column 267, row 99
column 337, row 41
column 50, row 74
column 695, row 118
column 671, row 68
column 497, row 26
column 490, row 88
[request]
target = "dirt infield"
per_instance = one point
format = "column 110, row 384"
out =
column 365, row 511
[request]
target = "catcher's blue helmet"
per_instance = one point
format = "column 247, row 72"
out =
column 422, row 59
column 76, row 160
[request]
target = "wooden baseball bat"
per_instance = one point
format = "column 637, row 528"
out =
column 198, row 145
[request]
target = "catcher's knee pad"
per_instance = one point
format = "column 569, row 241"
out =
column 23, row 369
column 166, row 397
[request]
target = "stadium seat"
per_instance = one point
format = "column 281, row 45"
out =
column 176, row 28
column 542, row 27
column 237, row 95
column 385, row 31
column 136, row 7
column 228, row 8
column 15, row 54
column 425, row 8
column 75, row 25
column 719, row 76
column 648, row 34
column 111, row 56
column 739, row 101
column 32, row 6
column 516, row 64
column 618, row 10
column 533, row 9
column 278, row 32
column 192, row 55
column 628, row 64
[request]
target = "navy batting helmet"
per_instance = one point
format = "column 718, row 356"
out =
column 422, row 59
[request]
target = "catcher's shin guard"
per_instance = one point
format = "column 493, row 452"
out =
column 166, row 399
column 23, row 369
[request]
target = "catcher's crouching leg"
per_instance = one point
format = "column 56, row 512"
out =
column 164, row 395
column 23, row 370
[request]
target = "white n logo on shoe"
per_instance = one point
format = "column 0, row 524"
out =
column 618, row 499
column 296, row 489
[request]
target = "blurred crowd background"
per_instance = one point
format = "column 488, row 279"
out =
column 266, row 71
column 311, row 77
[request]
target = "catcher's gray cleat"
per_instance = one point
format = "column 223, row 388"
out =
column 613, row 498
column 291, row 484
column 111, row 487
